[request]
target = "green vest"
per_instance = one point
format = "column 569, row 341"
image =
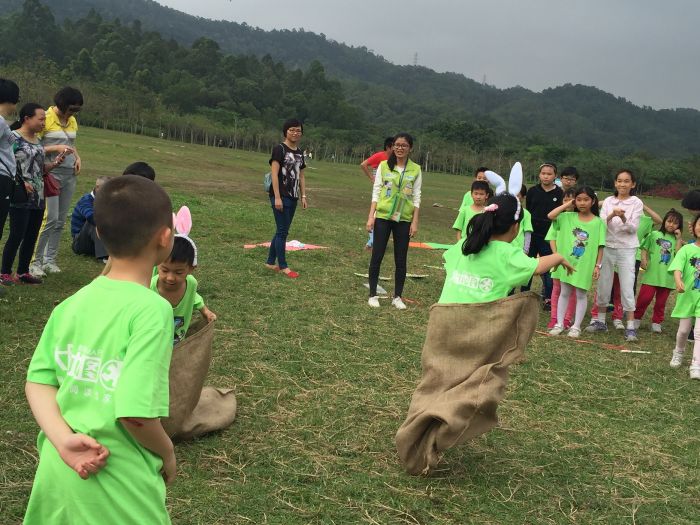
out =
column 396, row 194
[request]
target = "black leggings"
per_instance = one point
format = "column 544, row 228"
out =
column 382, row 229
column 24, row 231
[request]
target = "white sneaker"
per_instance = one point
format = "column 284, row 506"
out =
column 677, row 359
column 618, row 324
column 36, row 270
column 373, row 302
column 656, row 328
column 51, row 268
column 574, row 332
column 557, row 330
column 694, row 371
column 398, row 303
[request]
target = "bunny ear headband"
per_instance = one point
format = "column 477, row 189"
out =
column 515, row 184
column 182, row 220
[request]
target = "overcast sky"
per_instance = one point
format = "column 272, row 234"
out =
column 647, row 51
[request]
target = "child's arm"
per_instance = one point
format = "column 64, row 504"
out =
column 644, row 262
column 568, row 206
column 527, row 241
column 679, row 239
column 546, row 263
column 655, row 217
column 80, row 452
column 553, row 246
column 207, row 314
column 678, row 277
column 151, row 435
column 596, row 270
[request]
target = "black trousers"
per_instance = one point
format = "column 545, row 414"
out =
column 6, row 186
column 88, row 243
column 24, row 231
column 382, row 229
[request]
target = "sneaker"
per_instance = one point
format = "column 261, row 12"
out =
column 656, row 328
column 574, row 332
column 6, row 279
column 557, row 330
column 51, row 268
column 551, row 324
column 631, row 335
column 597, row 326
column 373, row 302
column 677, row 359
column 398, row 303
column 36, row 270
column 28, row 278
column 618, row 324
column 694, row 371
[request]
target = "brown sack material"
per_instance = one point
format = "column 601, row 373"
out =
column 189, row 367
column 216, row 410
column 467, row 351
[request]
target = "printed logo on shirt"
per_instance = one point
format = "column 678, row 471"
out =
column 695, row 263
column 179, row 325
column 473, row 282
column 580, row 242
column 665, row 246
column 87, row 366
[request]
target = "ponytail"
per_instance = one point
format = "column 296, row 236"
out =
column 27, row 111
column 496, row 219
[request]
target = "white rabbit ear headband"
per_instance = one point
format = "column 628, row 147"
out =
column 182, row 220
column 515, row 184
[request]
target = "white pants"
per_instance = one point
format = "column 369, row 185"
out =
column 624, row 259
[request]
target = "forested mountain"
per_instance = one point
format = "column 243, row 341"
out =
column 576, row 115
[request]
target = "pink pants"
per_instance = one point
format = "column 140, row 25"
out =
column 617, row 301
column 646, row 294
column 570, row 309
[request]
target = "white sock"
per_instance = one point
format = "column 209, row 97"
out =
column 630, row 325
column 601, row 313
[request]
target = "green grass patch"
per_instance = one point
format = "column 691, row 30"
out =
column 587, row 434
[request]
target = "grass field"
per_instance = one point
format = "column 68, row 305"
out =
column 587, row 434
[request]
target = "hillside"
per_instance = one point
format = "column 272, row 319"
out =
column 578, row 115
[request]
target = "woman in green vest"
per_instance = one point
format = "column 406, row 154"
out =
column 394, row 211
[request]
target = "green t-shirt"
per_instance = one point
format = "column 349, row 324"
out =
column 107, row 351
column 525, row 226
column 578, row 241
column 661, row 248
column 467, row 200
column 485, row 276
column 463, row 218
column 645, row 226
column 182, row 313
column 687, row 260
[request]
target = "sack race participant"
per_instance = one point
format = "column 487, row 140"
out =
column 465, row 371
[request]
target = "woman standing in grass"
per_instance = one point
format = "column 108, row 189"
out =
column 396, row 203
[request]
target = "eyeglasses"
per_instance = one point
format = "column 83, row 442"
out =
column 295, row 131
column 401, row 146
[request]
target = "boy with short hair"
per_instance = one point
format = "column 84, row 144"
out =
column 82, row 225
column 568, row 178
column 98, row 381
column 140, row 168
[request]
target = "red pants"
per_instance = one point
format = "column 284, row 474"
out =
column 570, row 310
column 646, row 294
column 617, row 301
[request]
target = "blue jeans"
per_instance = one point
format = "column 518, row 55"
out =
column 283, row 220
column 538, row 246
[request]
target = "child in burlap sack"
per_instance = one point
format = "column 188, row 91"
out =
column 465, row 371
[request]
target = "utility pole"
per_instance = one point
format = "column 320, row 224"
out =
column 415, row 59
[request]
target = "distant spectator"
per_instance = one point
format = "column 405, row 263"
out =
column 82, row 225
column 142, row 169
column 60, row 129
column 569, row 178
column 9, row 96
column 373, row 162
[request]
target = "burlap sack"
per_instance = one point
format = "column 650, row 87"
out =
column 216, row 410
column 467, row 351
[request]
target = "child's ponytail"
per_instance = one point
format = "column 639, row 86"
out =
column 501, row 213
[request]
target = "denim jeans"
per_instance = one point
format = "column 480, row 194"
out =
column 283, row 220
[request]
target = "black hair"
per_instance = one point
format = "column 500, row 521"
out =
column 523, row 190
column 142, row 169
column 571, row 192
column 183, row 251
column 671, row 214
column 480, row 169
column 392, row 158
column 125, row 225
column 484, row 225
column 388, row 142
column 550, row 164
column 569, row 171
column 291, row 123
column 27, row 111
column 9, row 91
column 632, row 176
column 692, row 226
column 482, row 185
column 66, row 97
column 595, row 209
column 691, row 200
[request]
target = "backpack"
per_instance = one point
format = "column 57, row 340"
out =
column 267, row 178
